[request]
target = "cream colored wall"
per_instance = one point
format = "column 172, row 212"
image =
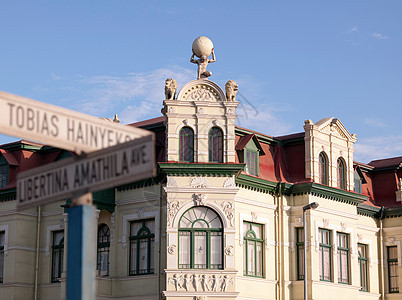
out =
column 201, row 114
column 329, row 136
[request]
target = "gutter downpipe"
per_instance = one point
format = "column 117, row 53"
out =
column 279, row 231
column 160, row 242
column 382, row 254
column 37, row 252
column 276, row 222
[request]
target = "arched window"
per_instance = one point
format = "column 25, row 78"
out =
column 341, row 173
column 103, row 250
column 323, row 168
column 57, row 255
column 200, row 239
column 253, row 249
column 215, row 145
column 142, row 243
column 186, row 144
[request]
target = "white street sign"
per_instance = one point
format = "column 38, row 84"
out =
column 120, row 164
column 60, row 127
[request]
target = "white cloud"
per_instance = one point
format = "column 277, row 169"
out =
column 260, row 118
column 379, row 36
column 375, row 123
column 368, row 149
column 134, row 97
column 352, row 29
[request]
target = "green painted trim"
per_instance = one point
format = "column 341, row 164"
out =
column 8, row 195
column 393, row 212
column 256, row 184
column 327, row 192
column 321, row 249
column 368, row 211
column 201, row 169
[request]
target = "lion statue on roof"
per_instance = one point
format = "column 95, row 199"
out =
column 170, row 88
column 231, row 88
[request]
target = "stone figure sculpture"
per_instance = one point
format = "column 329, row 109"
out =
column 170, row 88
column 231, row 88
column 202, row 48
column 196, row 281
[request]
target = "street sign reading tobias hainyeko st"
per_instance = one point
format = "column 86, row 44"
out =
column 59, row 127
column 99, row 170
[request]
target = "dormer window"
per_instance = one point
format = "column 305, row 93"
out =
column 186, row 145
column 323, row 168
column 215, row 145
column 4, row 171
column 341, row 173
column 249, row 151
column 251, row 162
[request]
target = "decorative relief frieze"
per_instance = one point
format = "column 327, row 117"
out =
column 196, row 282
column 325, row 223
column 200, row 182
column 359, row 237
column 201, row 93
column 229, row 183
column 172, row 209
column 228, row 208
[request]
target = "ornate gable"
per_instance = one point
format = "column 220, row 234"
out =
column 201, row 90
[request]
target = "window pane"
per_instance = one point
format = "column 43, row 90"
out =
column 135, row 226
column 327, row 266
column 200, row 224
column 143, row 256
column 184, row 249
column 259, row 259
column 216, row 250
column 133, row 257
column 215, row 145
column 257, row 230
column 200, row 250
column 251, row 258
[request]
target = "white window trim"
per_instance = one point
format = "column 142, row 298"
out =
column 134, row 217
column 5, row 229
column 257, row 220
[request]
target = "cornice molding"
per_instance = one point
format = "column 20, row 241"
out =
column 200, row 169
column 328, row 193
column 256, row 184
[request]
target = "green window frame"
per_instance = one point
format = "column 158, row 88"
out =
column 358, row 182
column 4, row 172
column 300, row 252
column 323, row 168
column 325, row 253
column 343, row 258
column 2, row 244
column 253, row 258
column 363, row 266
column 142, row 241
column 393, row 278
column 57, row 255
column 341, row 173
column 103, row 250
column 251, row 157
column 200, row 239
column 186, row 146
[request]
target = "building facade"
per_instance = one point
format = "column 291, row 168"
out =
column 223, row 217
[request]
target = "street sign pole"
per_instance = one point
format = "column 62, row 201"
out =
column 81, row 249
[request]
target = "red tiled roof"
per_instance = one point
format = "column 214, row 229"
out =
column 290, row 136
column 148, row 122
column 387, row 162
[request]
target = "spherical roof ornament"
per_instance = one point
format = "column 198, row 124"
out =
column 202, row 46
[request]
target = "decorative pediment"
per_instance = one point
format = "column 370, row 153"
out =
column 201, row 90
column 335, row 127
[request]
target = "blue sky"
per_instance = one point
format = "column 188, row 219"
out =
column 293, row 60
